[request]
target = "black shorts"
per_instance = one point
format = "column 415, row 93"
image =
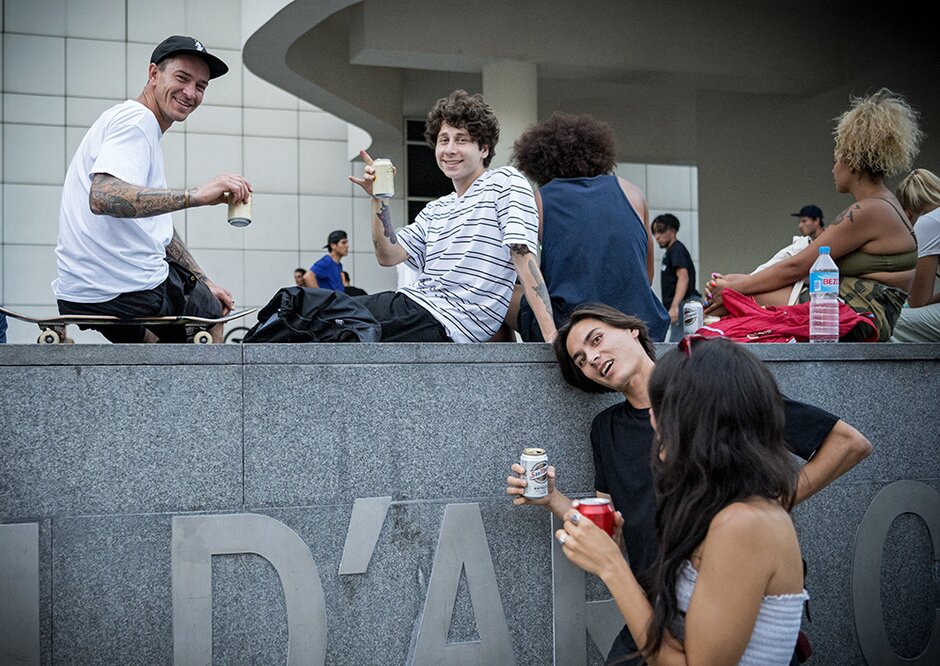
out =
column 402, row 319
column 180, row 294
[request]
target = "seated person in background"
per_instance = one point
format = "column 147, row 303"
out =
column 593, row 226
column 872, row 241
column 602, row 350
column 811, row 225
column 810, row 221
column 726, row 586
column 326, row 273
column 919, row 194
column 351, row 290
column 469, row 246
column 299, row 276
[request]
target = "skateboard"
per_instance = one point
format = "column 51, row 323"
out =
column 52, row 329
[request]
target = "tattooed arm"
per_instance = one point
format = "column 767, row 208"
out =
column 112, row 196
column 536, row 292
column 387, row 250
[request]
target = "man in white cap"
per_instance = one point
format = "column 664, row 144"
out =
column 118, row 253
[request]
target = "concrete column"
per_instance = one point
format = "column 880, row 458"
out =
column 511, row 88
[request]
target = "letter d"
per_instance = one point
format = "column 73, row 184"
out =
column 197, row 538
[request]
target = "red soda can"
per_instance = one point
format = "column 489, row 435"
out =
column 599, row 510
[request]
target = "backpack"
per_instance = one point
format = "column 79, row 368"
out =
column 304, row 314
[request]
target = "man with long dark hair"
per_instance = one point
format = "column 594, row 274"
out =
column 602, row 350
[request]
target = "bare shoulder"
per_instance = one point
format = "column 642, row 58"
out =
column 872, row 210
column 630, row 189
column 749, row 518
column 634, row 195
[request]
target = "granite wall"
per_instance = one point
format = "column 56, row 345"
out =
column 345, row 503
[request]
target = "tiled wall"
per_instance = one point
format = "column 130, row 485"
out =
column 669, row 189
column 63, row 62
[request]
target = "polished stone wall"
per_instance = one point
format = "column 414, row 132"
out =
column 211, row 505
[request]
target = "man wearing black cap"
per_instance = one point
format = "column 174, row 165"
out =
column 118, row 253
column 327, row 272
column 811, row 221
column 811, row 225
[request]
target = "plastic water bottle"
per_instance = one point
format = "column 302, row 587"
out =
column 824, row 299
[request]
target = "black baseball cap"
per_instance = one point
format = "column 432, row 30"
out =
column 809, row 211
column 178, row 44
column 334, row 238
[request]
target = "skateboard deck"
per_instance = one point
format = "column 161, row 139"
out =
column 53, row 328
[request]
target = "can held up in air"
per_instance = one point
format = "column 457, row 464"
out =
column 599, row 510
column 383, row 187
column 239, row 212
column 535, row 463
column 693, row 317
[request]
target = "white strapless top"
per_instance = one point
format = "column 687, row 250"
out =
column 776, row 629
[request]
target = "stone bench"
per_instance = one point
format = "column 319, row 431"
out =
column 199, row 502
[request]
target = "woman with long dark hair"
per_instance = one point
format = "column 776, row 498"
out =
column 727, row 583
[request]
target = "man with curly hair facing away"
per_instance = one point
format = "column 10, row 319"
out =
column 468, row 246
column 871, row 241
column 593, row 225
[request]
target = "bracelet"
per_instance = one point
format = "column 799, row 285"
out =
column 185, row 198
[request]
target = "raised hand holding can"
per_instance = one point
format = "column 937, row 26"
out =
column 534, row 462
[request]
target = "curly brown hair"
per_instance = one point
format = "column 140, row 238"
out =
column 462, row 110
column 879, row 134
column 565, row 146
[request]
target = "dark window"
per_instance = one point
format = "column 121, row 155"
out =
column 415, row 131
column 425, row 180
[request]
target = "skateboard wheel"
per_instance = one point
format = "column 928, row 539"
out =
column 48, row 337
column 202, row 338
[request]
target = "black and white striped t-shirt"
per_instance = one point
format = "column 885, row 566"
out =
column 461, row 247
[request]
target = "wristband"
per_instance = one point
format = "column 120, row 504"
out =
column 185, row 198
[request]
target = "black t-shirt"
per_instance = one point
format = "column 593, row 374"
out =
column 676, row 257
column 622, row 441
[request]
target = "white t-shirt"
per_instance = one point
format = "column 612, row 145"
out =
column 927, row 230
column 99, row 256
column 461, row 247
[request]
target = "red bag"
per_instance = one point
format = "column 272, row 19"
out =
column 748, row 321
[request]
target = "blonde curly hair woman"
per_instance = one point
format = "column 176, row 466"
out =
column 872, row 241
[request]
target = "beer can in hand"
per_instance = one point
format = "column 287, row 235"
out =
column 693, row 317
column 599, row 510
column 535, row 463
column 383, row 187
column 239, row 212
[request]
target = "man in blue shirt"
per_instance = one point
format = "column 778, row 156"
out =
column 328, row 270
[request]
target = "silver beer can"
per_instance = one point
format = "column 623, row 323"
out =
column 383, row 187
column 693, row 317
column 535, row 463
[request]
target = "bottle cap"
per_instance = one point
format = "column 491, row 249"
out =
column 823, row 249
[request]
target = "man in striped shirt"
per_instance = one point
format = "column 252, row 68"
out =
column 469, row 246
